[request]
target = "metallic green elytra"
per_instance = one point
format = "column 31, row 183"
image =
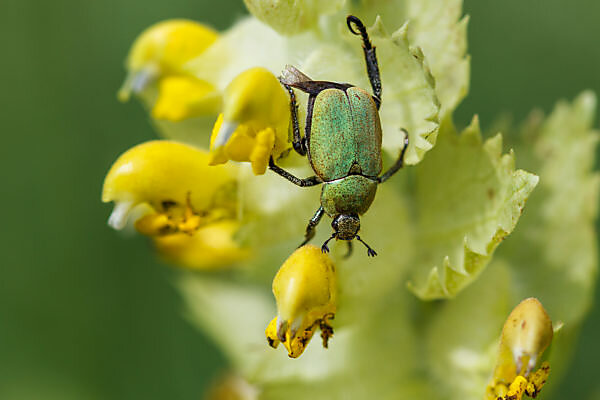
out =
column 343, row 142
column 345, row 135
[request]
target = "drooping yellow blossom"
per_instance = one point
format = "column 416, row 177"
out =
column 305, row 292
column 158, row 56
column 254, row 123
column 525, row 336
column 185, row 205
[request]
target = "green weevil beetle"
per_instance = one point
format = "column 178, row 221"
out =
column 343, row 142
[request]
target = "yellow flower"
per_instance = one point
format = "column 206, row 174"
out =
column 527, row 332
column 305, row 292
column 159, row 56
column 254, row 123
column 188, row 207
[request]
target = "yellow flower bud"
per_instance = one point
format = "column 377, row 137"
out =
column 189, row 207
column 255, row 121
column 162, row 50
column 525, row 336
column 305, row 292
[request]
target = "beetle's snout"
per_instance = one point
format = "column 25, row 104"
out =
column 346, row 226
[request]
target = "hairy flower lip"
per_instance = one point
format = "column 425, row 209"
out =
column 120, row 214
column 137, row 81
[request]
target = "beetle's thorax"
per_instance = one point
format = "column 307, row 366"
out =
column 346, row 226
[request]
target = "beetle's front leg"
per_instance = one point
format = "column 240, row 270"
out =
column 298, row 142
column 312, row 224
column 399, row 162
column 310, row 181
column 370, row 57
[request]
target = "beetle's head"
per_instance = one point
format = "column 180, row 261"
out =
column 346, row 226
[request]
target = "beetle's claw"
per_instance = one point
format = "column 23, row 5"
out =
column 324, row 248
column 370, row 251
column 351, row 19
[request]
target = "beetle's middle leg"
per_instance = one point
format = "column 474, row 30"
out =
column 310, row 181
column 298, row 141
column 312, row 224
column 370, row 57
column 399, row 162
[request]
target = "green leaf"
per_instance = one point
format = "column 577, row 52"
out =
column 468, row 199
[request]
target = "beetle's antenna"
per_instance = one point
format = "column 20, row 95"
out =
column 370, row 251
column 324, row 248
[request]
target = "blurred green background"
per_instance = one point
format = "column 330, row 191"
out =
column 88, row 314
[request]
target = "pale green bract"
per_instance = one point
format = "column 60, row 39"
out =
column 552, row 256
column 292, row 16
column 468, row 197
column 440, row 30
column 438, row 225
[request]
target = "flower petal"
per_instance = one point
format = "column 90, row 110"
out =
column 211, row 246
column 181, row 97
column 158, row 171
